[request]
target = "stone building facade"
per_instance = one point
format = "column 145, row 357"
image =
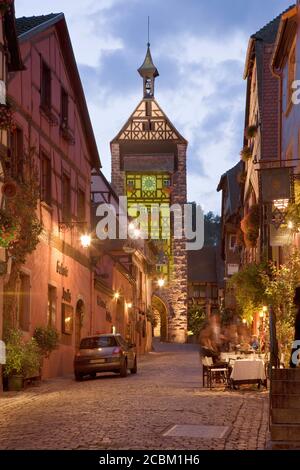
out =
column 149, row 166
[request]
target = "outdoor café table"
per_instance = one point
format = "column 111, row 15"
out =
column 245, row 371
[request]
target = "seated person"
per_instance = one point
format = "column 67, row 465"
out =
column 254, row 343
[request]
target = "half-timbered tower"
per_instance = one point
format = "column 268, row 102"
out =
column 149, row 166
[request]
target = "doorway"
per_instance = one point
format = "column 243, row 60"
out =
column 160, row 330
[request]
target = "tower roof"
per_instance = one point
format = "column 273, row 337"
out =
column 148, row 68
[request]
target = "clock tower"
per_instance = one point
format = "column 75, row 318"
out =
column 149, row 167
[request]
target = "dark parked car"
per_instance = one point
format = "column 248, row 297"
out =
column 104, row 353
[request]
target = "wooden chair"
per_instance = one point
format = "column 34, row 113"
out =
column 211, row 371
column 207, row 363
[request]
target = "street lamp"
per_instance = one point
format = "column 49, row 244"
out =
column 161, row 283
column 117, row 295
column 86, row 240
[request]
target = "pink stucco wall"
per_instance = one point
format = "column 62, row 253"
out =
column 24, row 88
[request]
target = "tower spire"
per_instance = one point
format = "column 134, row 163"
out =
column 148, row 71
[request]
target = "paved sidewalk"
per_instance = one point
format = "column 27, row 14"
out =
column 135, row 412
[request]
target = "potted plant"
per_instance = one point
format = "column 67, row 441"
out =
column 246, row 154
column 22, row 360
column 47, row 340
column 251, row 131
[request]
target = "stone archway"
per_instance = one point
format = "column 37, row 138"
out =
column 161, row 316
column 79, row 315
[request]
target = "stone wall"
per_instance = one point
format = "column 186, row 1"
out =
column 178, row 289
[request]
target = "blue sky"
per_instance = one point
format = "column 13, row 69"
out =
column 199, row 47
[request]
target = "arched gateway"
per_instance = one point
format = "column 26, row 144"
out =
column 149, row 167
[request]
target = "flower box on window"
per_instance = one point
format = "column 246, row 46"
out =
column 8, row 229
column 5, row 5
column 67, row 134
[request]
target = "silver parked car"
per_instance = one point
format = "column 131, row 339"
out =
column 105, row 353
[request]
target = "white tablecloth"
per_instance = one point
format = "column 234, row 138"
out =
column 244, row 369
column 227, row 356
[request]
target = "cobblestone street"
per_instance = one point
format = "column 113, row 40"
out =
column 135, row 412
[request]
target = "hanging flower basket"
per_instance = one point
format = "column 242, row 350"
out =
column 251, row 131
column 167, row 190
column 250, row 226
column 6, row 118
column 246, row 154
column 8, row 230
column 5, row 5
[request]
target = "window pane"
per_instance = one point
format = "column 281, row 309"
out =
column 96, row 342
column 81, row 206
column 46, row 178
column 51, row 306
column 46, row 87
column 66, row 198
column 64, row 108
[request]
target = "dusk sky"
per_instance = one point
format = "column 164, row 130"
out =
column 199, row 48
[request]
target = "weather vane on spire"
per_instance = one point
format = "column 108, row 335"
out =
column 148, row 71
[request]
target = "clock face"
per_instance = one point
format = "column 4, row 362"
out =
column 149, row 183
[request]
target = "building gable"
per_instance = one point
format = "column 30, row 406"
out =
column 29, row 30
column 149, row 123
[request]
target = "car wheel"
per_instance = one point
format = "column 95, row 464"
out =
column 134, row 369
column 93, row 375
column 123, row 370
column 78, row 377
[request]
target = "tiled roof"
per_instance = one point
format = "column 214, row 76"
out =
column 230, row 179
column 269, row 31
column 26, row 24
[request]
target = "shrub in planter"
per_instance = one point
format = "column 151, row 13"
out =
column 47, row 339
column 250, row 226
column 22, row 359
column 246, row 154
column 251, row 131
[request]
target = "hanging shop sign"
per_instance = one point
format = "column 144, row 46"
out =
column 67, row 296
column 275, row 184
column 61, row 269
column 280, row 236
